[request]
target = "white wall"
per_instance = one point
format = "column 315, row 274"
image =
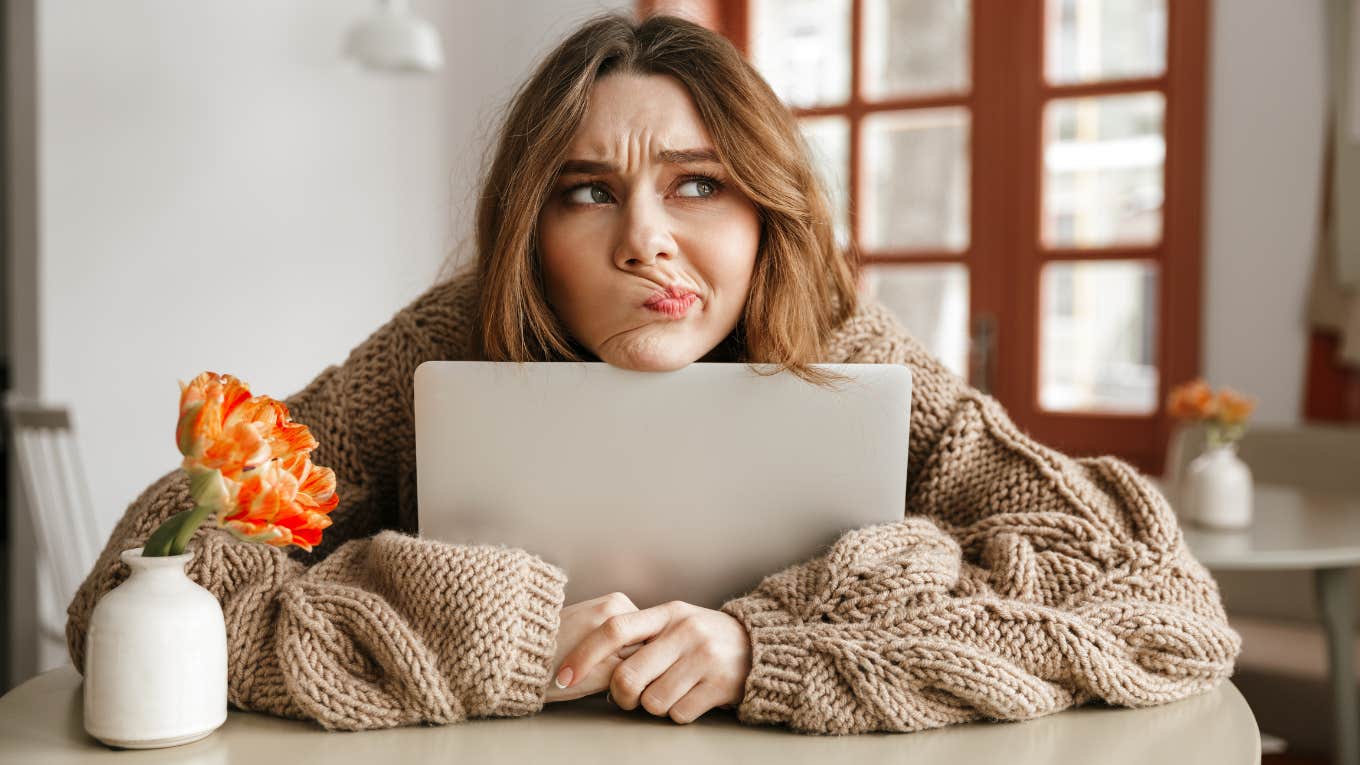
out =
column 220, row 190
column 1267, row 96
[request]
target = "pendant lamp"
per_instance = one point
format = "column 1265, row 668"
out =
column 393, row 39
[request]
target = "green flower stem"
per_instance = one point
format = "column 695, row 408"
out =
column 187, row 528
column 164, row 535
column 1221, row 434
column 171, row 537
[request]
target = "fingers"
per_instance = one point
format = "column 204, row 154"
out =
column 610, row 637
column 693, row 705
column 662, row 693
column 575, row 622
column 596, row 681
column 644, row 670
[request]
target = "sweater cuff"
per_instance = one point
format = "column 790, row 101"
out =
column 531, row 660
column 775, row 688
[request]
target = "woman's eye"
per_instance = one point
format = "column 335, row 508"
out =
column 706, row 187
column 593, row 194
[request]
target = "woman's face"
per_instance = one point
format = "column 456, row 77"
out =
column 646, row 249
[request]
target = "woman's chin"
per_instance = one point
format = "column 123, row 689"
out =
column 651, row 355
column 651, row 363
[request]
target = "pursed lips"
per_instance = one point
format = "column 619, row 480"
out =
column 673, row 301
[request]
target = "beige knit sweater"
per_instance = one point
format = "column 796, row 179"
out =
column 1020, row 582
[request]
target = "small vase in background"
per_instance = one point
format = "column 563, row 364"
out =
column 155, row 658
column 1217, row 488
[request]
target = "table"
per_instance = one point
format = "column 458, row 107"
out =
column 1296, row 528
column 41, row 722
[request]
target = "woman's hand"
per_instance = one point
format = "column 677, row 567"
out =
column 694, row 659
column 578, row 620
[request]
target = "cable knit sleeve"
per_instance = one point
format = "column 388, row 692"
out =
column 376, row 627
column 1021, row 582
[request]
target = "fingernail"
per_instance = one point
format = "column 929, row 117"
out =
column 609, row 697
column 563, row 678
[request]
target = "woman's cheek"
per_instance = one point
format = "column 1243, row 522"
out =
column 565, row 256
column 732, row 266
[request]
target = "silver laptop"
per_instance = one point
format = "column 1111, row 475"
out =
column 687, row 485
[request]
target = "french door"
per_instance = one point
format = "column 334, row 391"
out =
column 1024, row 182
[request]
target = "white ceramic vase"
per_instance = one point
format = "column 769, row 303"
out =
column 1217, row 489
column 155, row 658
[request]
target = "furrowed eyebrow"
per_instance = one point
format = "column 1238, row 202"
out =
column 668, row 156
column 687, row 156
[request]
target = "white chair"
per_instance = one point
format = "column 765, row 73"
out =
column 58, row 499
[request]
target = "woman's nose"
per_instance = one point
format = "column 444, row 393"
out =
column 646, row 237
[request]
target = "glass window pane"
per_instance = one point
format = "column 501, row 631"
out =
column 916, row 180
column 931, row 301
column 1094, row 40
column 915, row 46
column 802, row 48
column 1103, row 160
column 829, row 140
column 1098, row 333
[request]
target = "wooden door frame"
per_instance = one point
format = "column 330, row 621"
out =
column 1006, row 143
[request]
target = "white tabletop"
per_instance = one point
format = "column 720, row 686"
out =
column 1291, row 528
column 40, row 722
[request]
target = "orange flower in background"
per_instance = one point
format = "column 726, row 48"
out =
column 1224, row 414
column 1192, row 401
column 249, row 463
column 283, row 502
column 1233, row 407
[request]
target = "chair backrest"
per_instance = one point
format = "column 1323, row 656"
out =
column 58, row 498
column 1325, row 457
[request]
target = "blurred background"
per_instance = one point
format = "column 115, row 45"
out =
column 1075, row 204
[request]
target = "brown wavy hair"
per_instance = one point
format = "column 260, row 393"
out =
column 803, row 283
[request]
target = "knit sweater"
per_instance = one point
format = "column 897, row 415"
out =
column 1020, row 581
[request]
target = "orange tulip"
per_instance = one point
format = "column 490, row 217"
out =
column 283, row 502
column 1234, row 408
column 1192, row 401
column 222, row 427
column 248, row 464
column 211, row 433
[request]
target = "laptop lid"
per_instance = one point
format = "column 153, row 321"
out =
column 686, row 485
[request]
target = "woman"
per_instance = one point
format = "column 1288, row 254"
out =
column 650, row 204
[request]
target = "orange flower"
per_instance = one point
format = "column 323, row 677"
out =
column 1192, row 401
column 222, row 427
column 284, row 501
column 203, row 434
column 1234, row 408
column 249, row 465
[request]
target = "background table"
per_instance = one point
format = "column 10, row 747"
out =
column 1302, row 529
column 41, row 722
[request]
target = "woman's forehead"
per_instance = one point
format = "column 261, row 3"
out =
column 639, row 116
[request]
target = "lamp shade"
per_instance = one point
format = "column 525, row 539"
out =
column 395, row 40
